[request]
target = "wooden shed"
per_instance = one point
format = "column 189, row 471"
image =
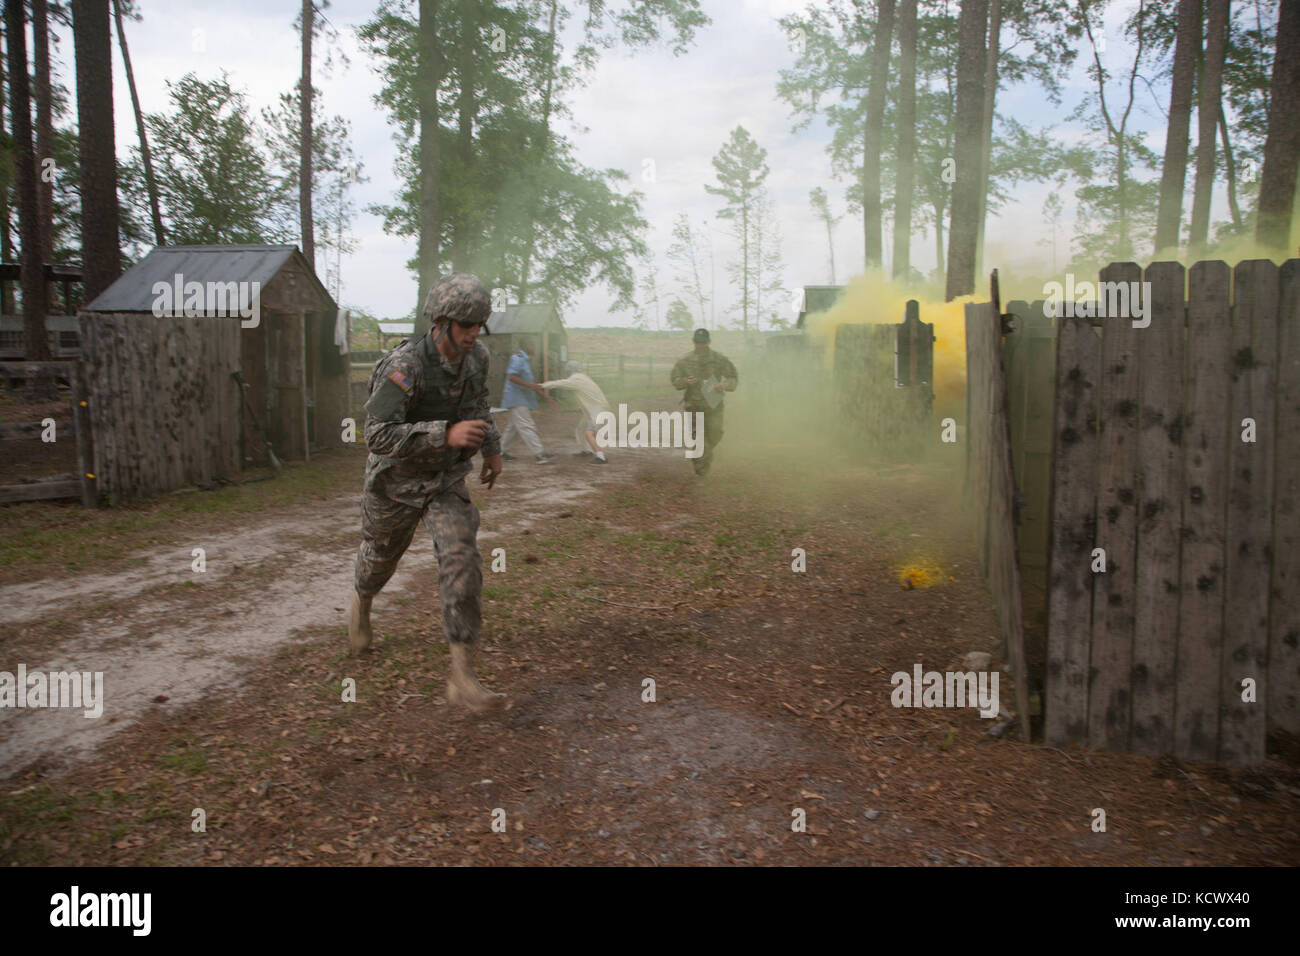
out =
column 162, row 346
column 391, row 334
column 538, row 324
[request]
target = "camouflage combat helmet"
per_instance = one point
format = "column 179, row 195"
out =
column 461, row 298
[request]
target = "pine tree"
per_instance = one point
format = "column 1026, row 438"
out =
column 741, row 169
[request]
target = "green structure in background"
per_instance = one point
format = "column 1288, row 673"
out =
column 817, row 298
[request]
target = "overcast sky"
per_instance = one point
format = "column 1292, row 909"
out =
column 676, row 111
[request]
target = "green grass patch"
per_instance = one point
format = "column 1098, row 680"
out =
column 185, row 757
column 43, row 534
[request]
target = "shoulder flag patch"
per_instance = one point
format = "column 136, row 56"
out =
column 400, row 380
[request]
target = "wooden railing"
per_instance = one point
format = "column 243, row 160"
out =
column 79, row 485
column 62, row 276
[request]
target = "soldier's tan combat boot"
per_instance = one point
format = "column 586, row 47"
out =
column 463, row 687
column 359, row 634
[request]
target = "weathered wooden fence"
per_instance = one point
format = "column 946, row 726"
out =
column 1173, row 504
column 1175, row 556
column 884, row 376
column 75, row 428
column 990, row 487
column 1029, row 361
column 61, row 333
column 62, row 282
column 166, row 411
column 618, row 373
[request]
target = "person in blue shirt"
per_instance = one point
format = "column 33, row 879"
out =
column 519, row 397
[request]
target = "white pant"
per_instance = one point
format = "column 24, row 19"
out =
column 585, row 424
column 521, row 424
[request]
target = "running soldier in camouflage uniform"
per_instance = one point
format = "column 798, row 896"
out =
column 689, row 374
column 427, row 415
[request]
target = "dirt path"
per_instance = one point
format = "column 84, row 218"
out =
column 678, row 694
column 162, row 632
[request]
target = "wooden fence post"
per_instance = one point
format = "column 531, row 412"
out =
column 1073, row 521
column 83, row 435
column 995, row 489
column 1283, row 690
column 1200, row 608
column 1028, row 358
column 977, row 430
column 1249, row 531
column 1159, row 521
column 1112, row 599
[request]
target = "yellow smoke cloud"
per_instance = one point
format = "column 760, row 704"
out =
column 874, row 299
column 1232, row 250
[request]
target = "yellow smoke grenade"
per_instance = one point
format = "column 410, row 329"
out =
column 920, row 573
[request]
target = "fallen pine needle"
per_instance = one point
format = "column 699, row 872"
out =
column 636, row 607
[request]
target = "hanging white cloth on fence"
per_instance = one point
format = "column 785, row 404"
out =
column 341, row 331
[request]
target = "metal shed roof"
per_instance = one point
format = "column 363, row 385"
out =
column 133, row 292
column 397, row 328
column 523, row 318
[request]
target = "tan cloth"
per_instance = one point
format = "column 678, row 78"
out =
column 590, row 396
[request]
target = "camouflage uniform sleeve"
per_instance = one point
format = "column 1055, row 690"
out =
column 679, row 375
column 397, row 381
column 730, row 377
column 482, row 409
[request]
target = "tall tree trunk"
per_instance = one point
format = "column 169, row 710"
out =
column 1207, row 118
column 944, row 196
column 990, row 105
column 1117, row 134
column 872, row 145
column 305, row 96
column 695, row 273
column 6, row 241
column 830, row 240
column 100, row 250
column 758, row 266
column 1173, row 174
column 44, row 134
column 1229, row 170
column 939, row 257
column 150, row 184
column 744, row 265
column 906, row 160
column 963, row 227
column 1282, row 145
column 543, row 150
column 25, row 185
column 428, row 74
column 465, row 114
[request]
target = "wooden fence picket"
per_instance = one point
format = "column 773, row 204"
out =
column 1159, row 513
